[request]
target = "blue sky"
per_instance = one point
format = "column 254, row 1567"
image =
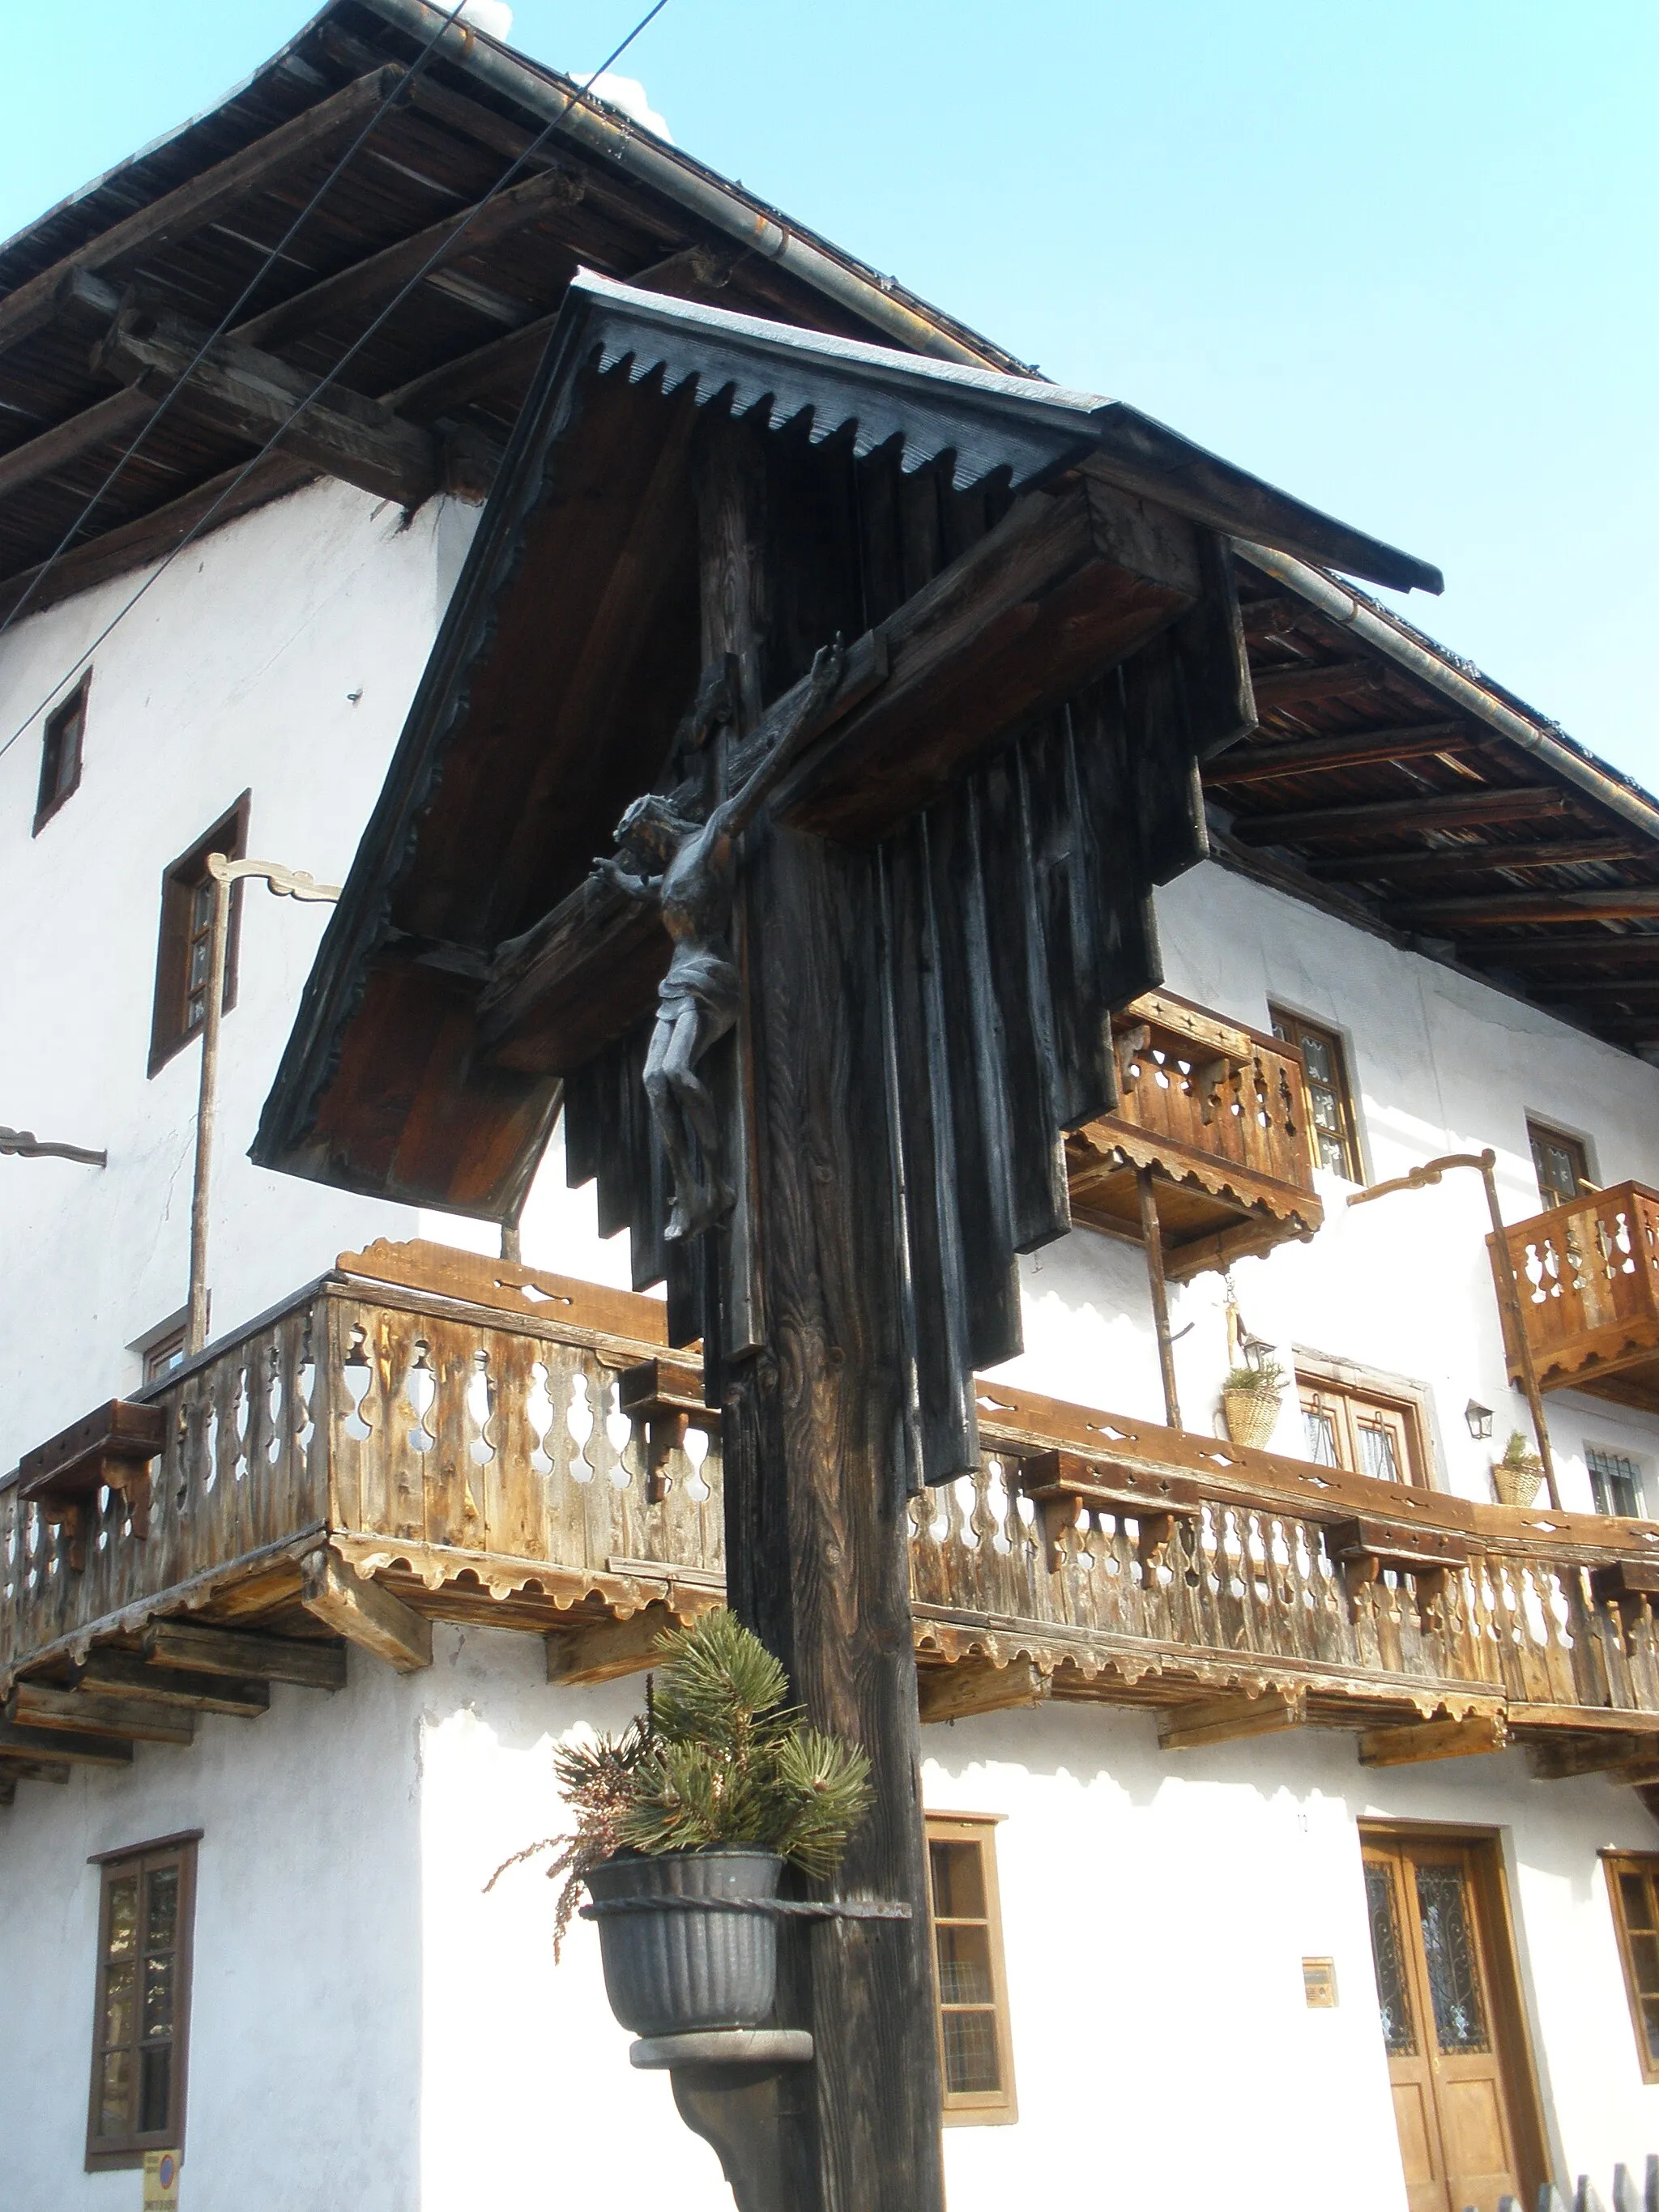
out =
column 1400, row 261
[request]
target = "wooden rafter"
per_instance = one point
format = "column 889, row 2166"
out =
column 1263, row 764
column 1634, row 902
column 1278, row 688
column 1471, row 859
column 198, row 202
column 1421, row 810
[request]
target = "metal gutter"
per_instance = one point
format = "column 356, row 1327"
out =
column 604, row 131
column 1373, row 628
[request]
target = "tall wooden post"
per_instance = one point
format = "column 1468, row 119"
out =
column 816, row 1512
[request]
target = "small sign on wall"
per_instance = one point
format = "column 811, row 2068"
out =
column 1319, row 1983
column 161, row 2180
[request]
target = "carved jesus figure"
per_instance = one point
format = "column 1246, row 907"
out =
column 687, row 868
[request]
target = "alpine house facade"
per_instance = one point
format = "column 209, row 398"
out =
column 1285, row 1745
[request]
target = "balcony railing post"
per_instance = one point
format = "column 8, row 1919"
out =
column 1152, row 1237
column 1509, row 1289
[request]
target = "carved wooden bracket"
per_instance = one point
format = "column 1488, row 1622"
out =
column 1065, row 1485
column 1363, row 1548
column 667, row 1395
column 112, row 1447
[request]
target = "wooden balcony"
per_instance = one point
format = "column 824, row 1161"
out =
column 423, row 1435
column 1589, row 1278
column 1215, row 1110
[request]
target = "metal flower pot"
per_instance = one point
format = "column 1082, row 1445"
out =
column 677, row 1971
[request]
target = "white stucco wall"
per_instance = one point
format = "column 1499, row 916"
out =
column 1438, row 1063
column 278, row 657
column 371, row 2028
column 1155, row 1910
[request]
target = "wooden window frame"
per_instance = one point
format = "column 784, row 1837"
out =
column 168, row 1030
column 975, row 2107
column 66, row 720
column 105, row 2153
column 1646, row 1865
column 1342, row 1382
column 1292, row 1028
column 1575, row 1146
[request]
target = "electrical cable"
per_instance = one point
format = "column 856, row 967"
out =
column 225, row 321
column 442, row 252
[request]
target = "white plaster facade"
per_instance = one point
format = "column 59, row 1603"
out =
column 369, row 2027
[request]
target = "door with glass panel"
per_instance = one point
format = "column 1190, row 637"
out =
column 1464, row 2104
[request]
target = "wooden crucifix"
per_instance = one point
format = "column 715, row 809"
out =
column 907, row 879
column 838, row 1142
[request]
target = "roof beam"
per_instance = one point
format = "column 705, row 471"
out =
column 1423, row 810
column 1562, row 952
column 1597, row 987
column 102, row 424
column 378, row 277
column 151, row 537
column 1301, row 757
column 198, row 202
column 363, row 285
column 1470, row 859
column 1276, row 688
column 1618, row 905
column 252, row 393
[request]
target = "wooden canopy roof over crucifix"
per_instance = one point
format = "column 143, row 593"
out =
column 1042, row 643
column 891, row 680
column 572, row 650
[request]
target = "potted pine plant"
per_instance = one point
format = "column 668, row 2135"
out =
column 1249, row 1399
column 708, row 1794
column 1517, row 1476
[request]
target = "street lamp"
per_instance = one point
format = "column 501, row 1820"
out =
column 1479, row 1418
column 282, row 882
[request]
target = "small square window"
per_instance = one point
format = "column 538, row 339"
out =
column 1616, row 1483
column 164, row 1355
column 1562, row 1169
column 1362, row 1430
column 976, row 2063
column 185, row 947
column 60, row 754
column 1329, row 1106
column 140, row 2016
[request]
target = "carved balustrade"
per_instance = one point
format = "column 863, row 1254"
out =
column 1216, row 1111
column 424, row 1437
column 1588, row 1273
column 490, row 1444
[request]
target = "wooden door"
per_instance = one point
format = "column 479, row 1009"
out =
column 1463, row 2102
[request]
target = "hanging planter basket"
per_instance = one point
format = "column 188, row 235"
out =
column 1517, row 1481
column 676, row 1968
column 1252, row 1415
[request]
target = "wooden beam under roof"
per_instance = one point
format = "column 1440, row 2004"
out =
column 234, row 491
column 1597, row 987
column 1637, row 946
column 379, row 276
column 1468, row 859
column 1631, row 903
column 364, row 284
column 1364, row 749
column 253, row 394
column 1423, row 810
column 198, row 201
column 1276, row 688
